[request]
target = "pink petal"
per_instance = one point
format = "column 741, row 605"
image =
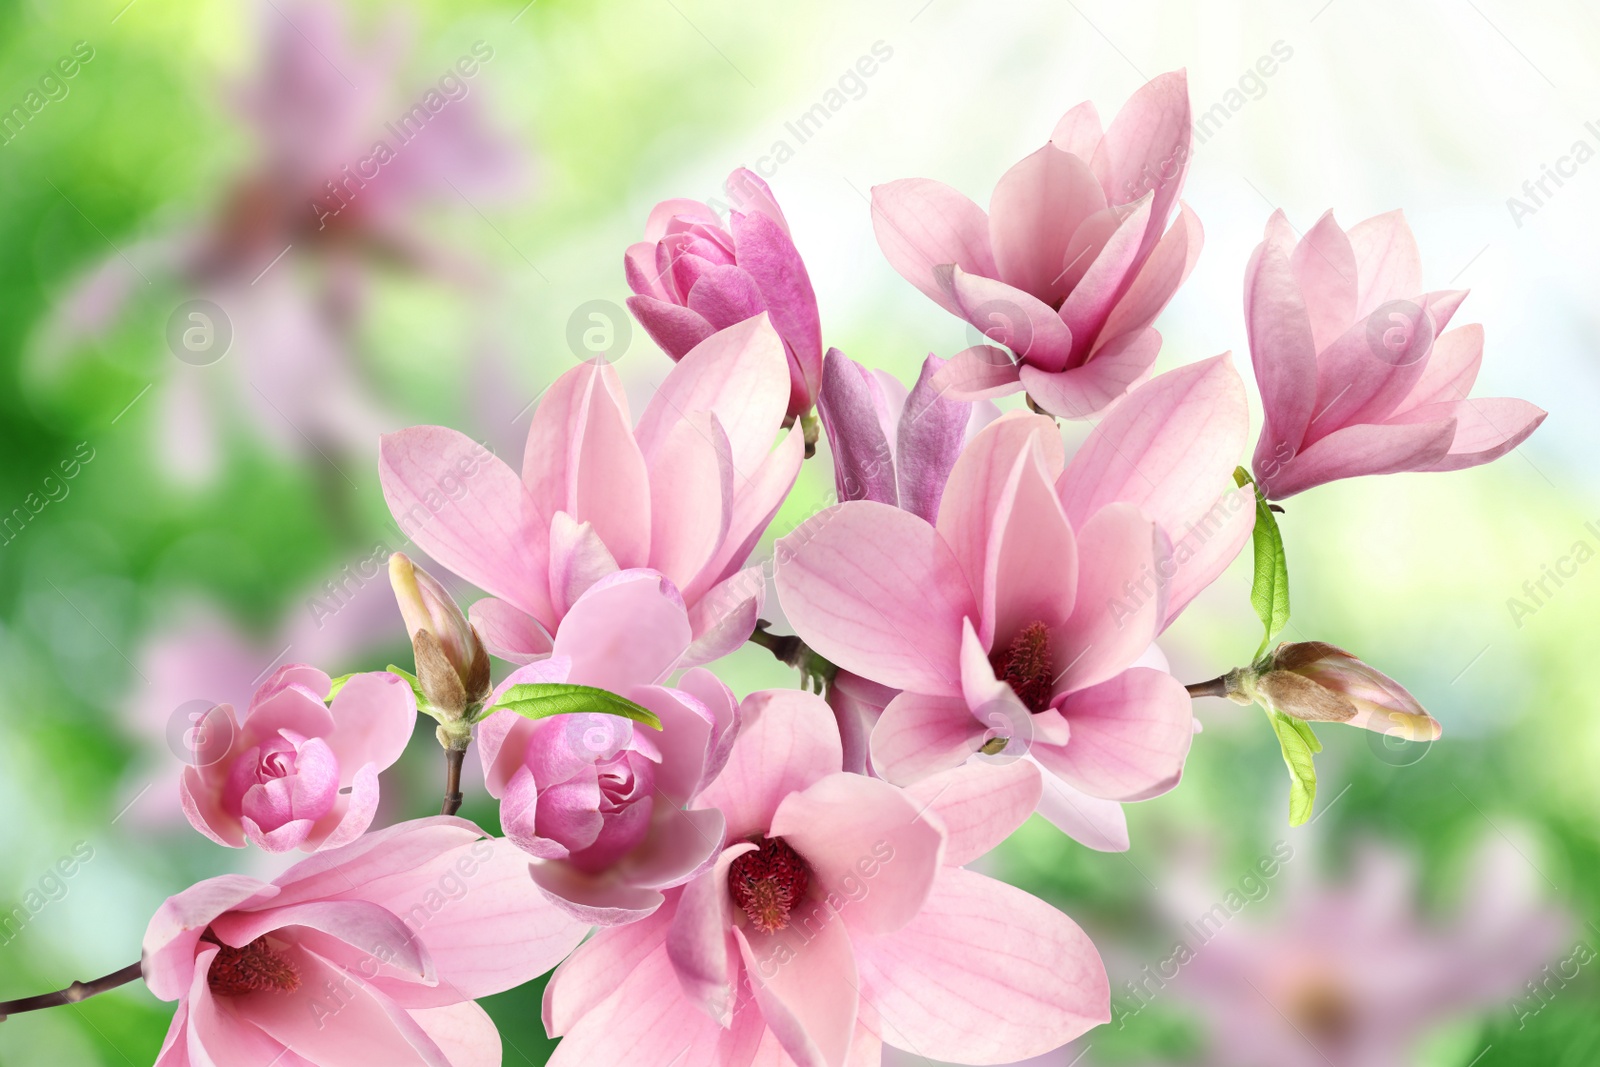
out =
column 788, row 740
column 587, row 901
column 725, row 617
column 1036, row 207
column 977, row 373
column 1078, row 131
column 806, row 988
column 675, row 329
column 1388, row 264
column 1119, row 605
column 978, row 484
column 852, row 407
column 1146, row 148
column 1364, row 449
column 508, row 631
column 699, row 943
column 1452, row 369
column 598, row 968
column 1324, row 266
column 751, row 194
column 857, row 831
column 765, row 250
column 1169, row 448
column 463, row 1032
column 1112, row 370
column 581, row 458
column 175, row 929
column 628, row 629
column 578, row 559
column 1089, row 306
column 923, row 224
column 932, row 429
column 1130, row 736
column 980, row 804
column 216, row 1036
column 876, row 591
column 680, row 845
column 726, row 717
column 1008, row 316
column 1030, row 567
column 374, row 716
column 756, row 500
column 1365, row 374
column 1090, row 821
column 1281, row 346
column 1204, row 551
column 857, row 705
column 466, row 509
column 359, row 924
column 1169, row 265
column 351, row 815
column 724, row 295
column 985, row 974
column 919, row 735
column 393, row 852
column 667, row 212
column 691, row 497
column 1486, row 429
column 503, row 736
column 639, row 267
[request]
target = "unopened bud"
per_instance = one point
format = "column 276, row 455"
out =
column 452, row 664
column 1317, row 682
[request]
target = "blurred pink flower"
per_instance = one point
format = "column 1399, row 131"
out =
column 371, row 953
column 1353, row 976
column 693, row 276
column 316, row 108
column 602, row 802
column 1072, row 262
column 294, row 771
column 1006, row 629
column 688, row 492
column 835, row 923
column 1356, row 371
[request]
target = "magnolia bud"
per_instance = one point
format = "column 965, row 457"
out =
column 452, row 664
column 1317, row 682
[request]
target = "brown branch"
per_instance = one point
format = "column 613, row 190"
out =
column 73, row 993
column 453, row 758
column 1216, row 687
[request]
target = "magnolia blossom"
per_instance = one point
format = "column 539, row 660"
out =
column 370, row 953
column 1073, row 260
column 599, row 798
column 452, row 664
column 692, row 276
column 1357, row 372
column 687, row 493
column 294, row 771
column 836, row 922
column 1353, row 976
column 1005, row 628
column 1317, row 682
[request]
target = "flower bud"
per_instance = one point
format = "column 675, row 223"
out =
column 1317, row 682
column 452, row 664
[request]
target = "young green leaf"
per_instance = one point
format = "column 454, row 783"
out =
column 411, row 680
column 541, row 700
column 1299, row 744
column 1269, row 593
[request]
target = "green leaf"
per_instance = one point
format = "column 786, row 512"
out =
column 338, row 684
column 1299, row 744
column 541, row 700
column 1269, row 593
column 411, row 680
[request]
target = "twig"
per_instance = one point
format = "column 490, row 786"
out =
column 453, row 758
column 73, row 993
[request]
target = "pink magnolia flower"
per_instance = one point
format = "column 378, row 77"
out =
column 1003, row 626
column 1357, row 372
column 370, row 953
column 599, row 799
column 693, row 276
column 293, row 771
column 1352, row 975
column 687, row 493
column 836, row 923
column 1071, row 264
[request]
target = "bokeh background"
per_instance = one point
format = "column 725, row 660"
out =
column 178, row 520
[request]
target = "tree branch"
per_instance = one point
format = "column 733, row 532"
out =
column 73, row 993
column 453, row 758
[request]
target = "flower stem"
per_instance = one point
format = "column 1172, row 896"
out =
column 73, row 993
column 453, row 758
column 815, row 672
column 1216, row 687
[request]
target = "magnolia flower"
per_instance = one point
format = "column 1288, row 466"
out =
column 835, row 922
column 687, row 493
column 371, row 953
column 1005, row 628
column 1352, row 976
column 1357, row 372
column 1317, row 682
column 693, row 276
column 452, row 664
column 293, row 771
column 289, row 248
column 1071, row 264
column 600, row 799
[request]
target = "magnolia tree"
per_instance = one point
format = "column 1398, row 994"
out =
column 784, row 878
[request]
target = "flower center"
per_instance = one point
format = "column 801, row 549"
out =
column 1026, row 666
column 768, row 883
column 256, row 968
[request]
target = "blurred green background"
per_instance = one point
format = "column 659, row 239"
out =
column 206, row 523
